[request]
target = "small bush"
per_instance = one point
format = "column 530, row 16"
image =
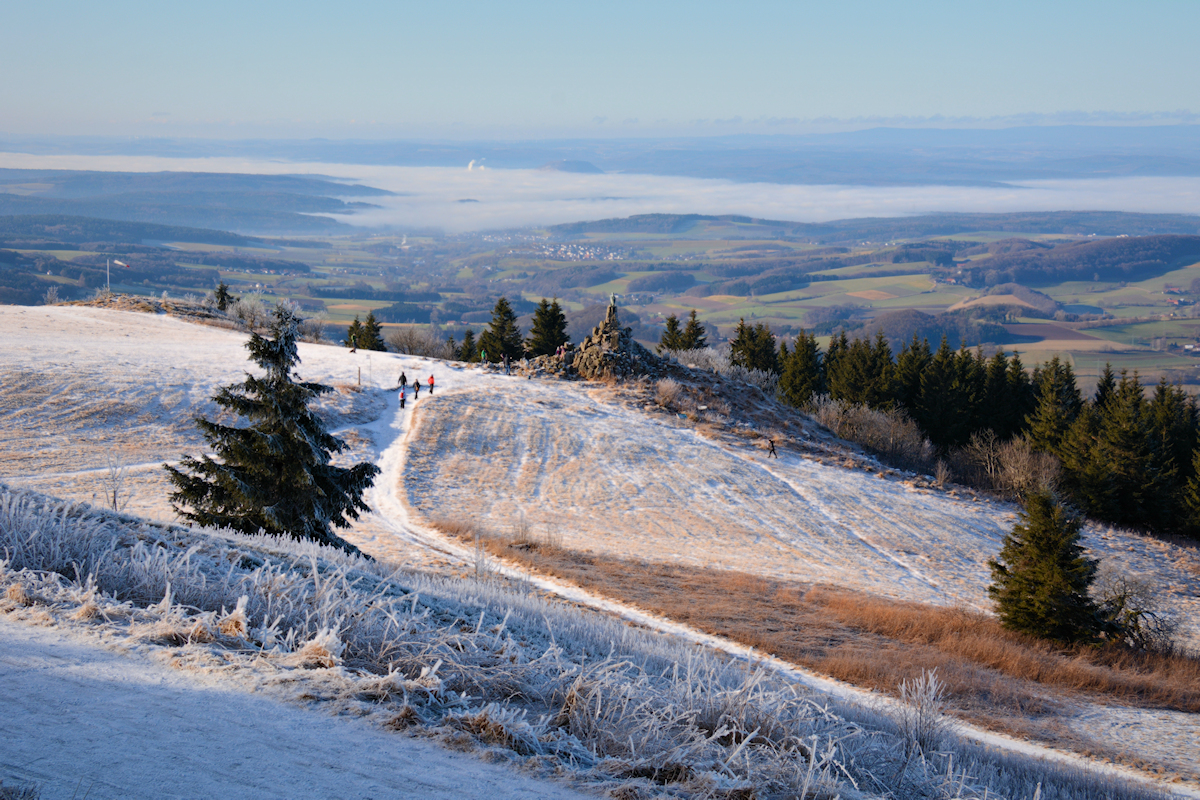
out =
column 666, row 392
column 891, row 435
column 413, row 341
column 250, row 312
column 923, row 721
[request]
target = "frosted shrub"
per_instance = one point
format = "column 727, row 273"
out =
column 768, row 382
column 1012, row 468
column 312, row 327
column 666, row 392
column 413, row 341
column 708, row 359
column 249, row 312
column 922, row 717
column 1022, row 470
column 891, row 434
column 51, row 296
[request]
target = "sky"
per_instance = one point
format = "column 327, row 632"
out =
column 533, row 69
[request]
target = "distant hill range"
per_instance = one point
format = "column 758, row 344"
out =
column 585, row 167
column 249, row 204
column 884, row 229
column 63, row 232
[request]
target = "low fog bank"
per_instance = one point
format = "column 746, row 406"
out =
column 462, row 199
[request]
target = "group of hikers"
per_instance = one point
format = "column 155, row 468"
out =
column 403, row 384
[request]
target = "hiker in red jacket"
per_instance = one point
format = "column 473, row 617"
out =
column 430, row 384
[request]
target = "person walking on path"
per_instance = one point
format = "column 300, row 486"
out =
column 506, row 362
column 483, row 356
column 771, row 451
column 416, row 389
column 430, row 385
column 402, row 397
column 402, row 381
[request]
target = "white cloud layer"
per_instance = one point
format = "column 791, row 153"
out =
column 431, row 196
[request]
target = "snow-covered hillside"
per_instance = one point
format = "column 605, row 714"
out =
column 81, row 387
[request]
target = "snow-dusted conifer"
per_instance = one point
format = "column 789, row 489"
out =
column 275, row 474
column 223, row 297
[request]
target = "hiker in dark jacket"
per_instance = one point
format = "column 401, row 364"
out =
column 402, row 380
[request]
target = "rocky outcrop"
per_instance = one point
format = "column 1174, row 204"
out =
column 608, row 352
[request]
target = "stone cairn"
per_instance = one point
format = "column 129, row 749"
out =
column 609, row 352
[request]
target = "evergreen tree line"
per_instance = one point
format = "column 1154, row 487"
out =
column 501, row 338
column 1125, row 458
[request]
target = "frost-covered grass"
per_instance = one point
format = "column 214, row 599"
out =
column 563, row 688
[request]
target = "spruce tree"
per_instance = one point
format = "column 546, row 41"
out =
column 1189, row 502
column 354, row 332
column 803, row 376
column 502, row 336
column 693, row 336
column 1020, row 393
column 467, row 350
column 754, row 348
column 1086, row 476
column 1106, row 387
column 938, row 404
column 912, row 362
column 371, row 336
column 1057, row 404
column 274, row 474
column 1171, row 430
column 672, row 338
column 1040, row 581
column 223, row 297
column 549, row 329
column 995, row 407
column 970, row 375
column 863, row 373
column 1126, row 452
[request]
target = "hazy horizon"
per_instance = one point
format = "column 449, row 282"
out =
column 461, row 199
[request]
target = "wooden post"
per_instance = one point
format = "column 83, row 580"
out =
column 360, row 376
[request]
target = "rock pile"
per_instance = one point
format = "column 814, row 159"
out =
column 609, row 352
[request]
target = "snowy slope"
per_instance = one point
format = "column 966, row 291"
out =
column 81, row 718
column 81, row 384
column 622, row 482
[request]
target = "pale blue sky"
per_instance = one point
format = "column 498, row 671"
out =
column 543, row 69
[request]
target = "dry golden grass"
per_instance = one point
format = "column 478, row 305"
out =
column 992, row 675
